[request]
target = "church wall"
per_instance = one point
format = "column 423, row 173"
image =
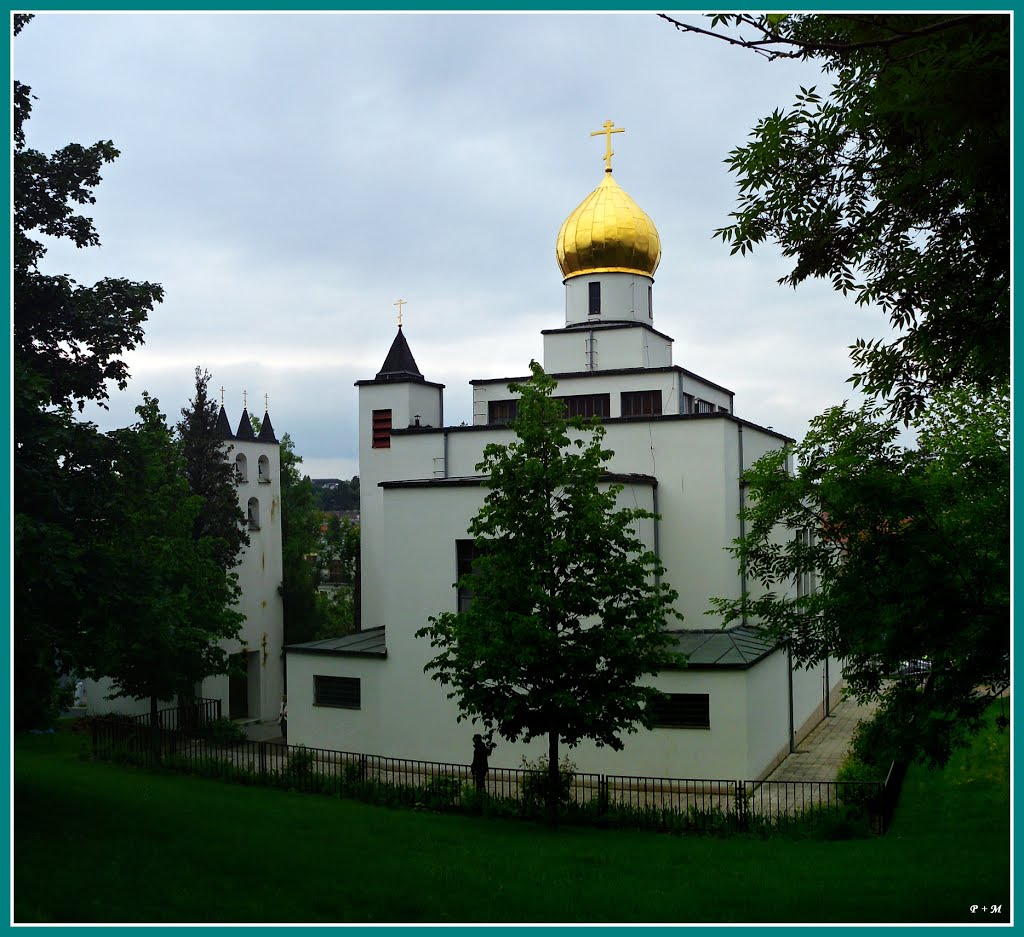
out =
column 597, row 350
column 622, row 296
column 259, row 572
column 767, row 715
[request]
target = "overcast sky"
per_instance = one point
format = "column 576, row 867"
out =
column 287, row 177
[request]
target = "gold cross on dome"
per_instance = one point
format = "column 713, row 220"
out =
column 399, row 303
column 609, row 129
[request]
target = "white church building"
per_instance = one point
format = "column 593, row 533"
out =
column 680, row 448
column 254, row 693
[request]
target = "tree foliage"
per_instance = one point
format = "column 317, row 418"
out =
column 911, row 552
column 568, row 611
column 211, row 476
column 164, row 602
column 893, row 184
column 300, row 535
column 67, row 342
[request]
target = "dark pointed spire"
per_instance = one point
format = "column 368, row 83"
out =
column 399, row 365
column 223, row 426
column 266, row 429
column 245, row 426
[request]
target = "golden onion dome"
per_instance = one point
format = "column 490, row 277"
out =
column 608, row 233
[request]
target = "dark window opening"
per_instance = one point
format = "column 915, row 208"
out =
column 701, row 406
column 342, row 692
column 381, row 429
column 641, row 403
column 650, row 301
column 587, row 405
column 595, row 299
column 466, row 554
column 682, row 711
column 501, row 411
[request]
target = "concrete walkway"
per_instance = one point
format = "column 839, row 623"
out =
column 263, row 731
column 820, row 754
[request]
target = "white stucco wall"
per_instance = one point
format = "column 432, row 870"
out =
column 623, row 296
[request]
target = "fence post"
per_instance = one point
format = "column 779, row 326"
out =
column 602, row 795
column 740, row 801
column 263, row 758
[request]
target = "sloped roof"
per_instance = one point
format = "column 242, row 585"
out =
column 245, row 427
column 740, row 647
column 223, row 426
column 266, row 429
column 368, row 643
column 399, row 364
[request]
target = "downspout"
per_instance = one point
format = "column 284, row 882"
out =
column 789, row 674
column 743, row 523
column 657, row 541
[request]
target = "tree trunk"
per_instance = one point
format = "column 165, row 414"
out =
column 553, row 779
column 154, row 732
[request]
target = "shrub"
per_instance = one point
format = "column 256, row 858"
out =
column 222, row 731
column 534, row 784
column 300, row 762
column 441, row 792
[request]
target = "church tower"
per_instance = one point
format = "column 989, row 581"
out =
column 398, row 398
column 608, row 250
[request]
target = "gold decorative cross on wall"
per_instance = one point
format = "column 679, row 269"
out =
column 609, row 129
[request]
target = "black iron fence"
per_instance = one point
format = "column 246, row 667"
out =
column 674, row 804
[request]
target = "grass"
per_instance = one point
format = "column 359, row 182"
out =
column 96, row 842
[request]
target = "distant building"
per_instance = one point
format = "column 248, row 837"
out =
column 680, row 449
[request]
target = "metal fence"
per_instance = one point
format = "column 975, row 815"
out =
column 676, row 804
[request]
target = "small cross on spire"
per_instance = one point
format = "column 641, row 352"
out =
column 266, row 403
column 399, row 303
column 609, row 129
column 222, row 395
column 245, row 400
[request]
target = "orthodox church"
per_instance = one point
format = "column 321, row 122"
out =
column 680, row 449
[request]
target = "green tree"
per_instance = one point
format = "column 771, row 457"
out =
column 341, row 542
column 911, row 552
column 211, row 475
column 300, row 535
column 568, row 609
column 67, row 343
column 894, row 184
column 164, row 602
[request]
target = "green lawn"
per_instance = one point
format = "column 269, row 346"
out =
column 96, row 842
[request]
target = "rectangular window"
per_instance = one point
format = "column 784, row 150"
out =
column 381, row 429
column 595, row 299
column 650, row 301
column 688, row 403
column 587, row 405
column 341, row 692
column 501, row 411
column 682, row 711
column 641, row 403
column 703, row 406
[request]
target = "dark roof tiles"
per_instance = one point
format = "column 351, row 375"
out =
column 399, row 364
column 245, row 427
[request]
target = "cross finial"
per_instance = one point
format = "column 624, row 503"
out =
column 245, row 400
column 266, row 403
column 399, row 303
column 222, row 395
column 609, row 129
